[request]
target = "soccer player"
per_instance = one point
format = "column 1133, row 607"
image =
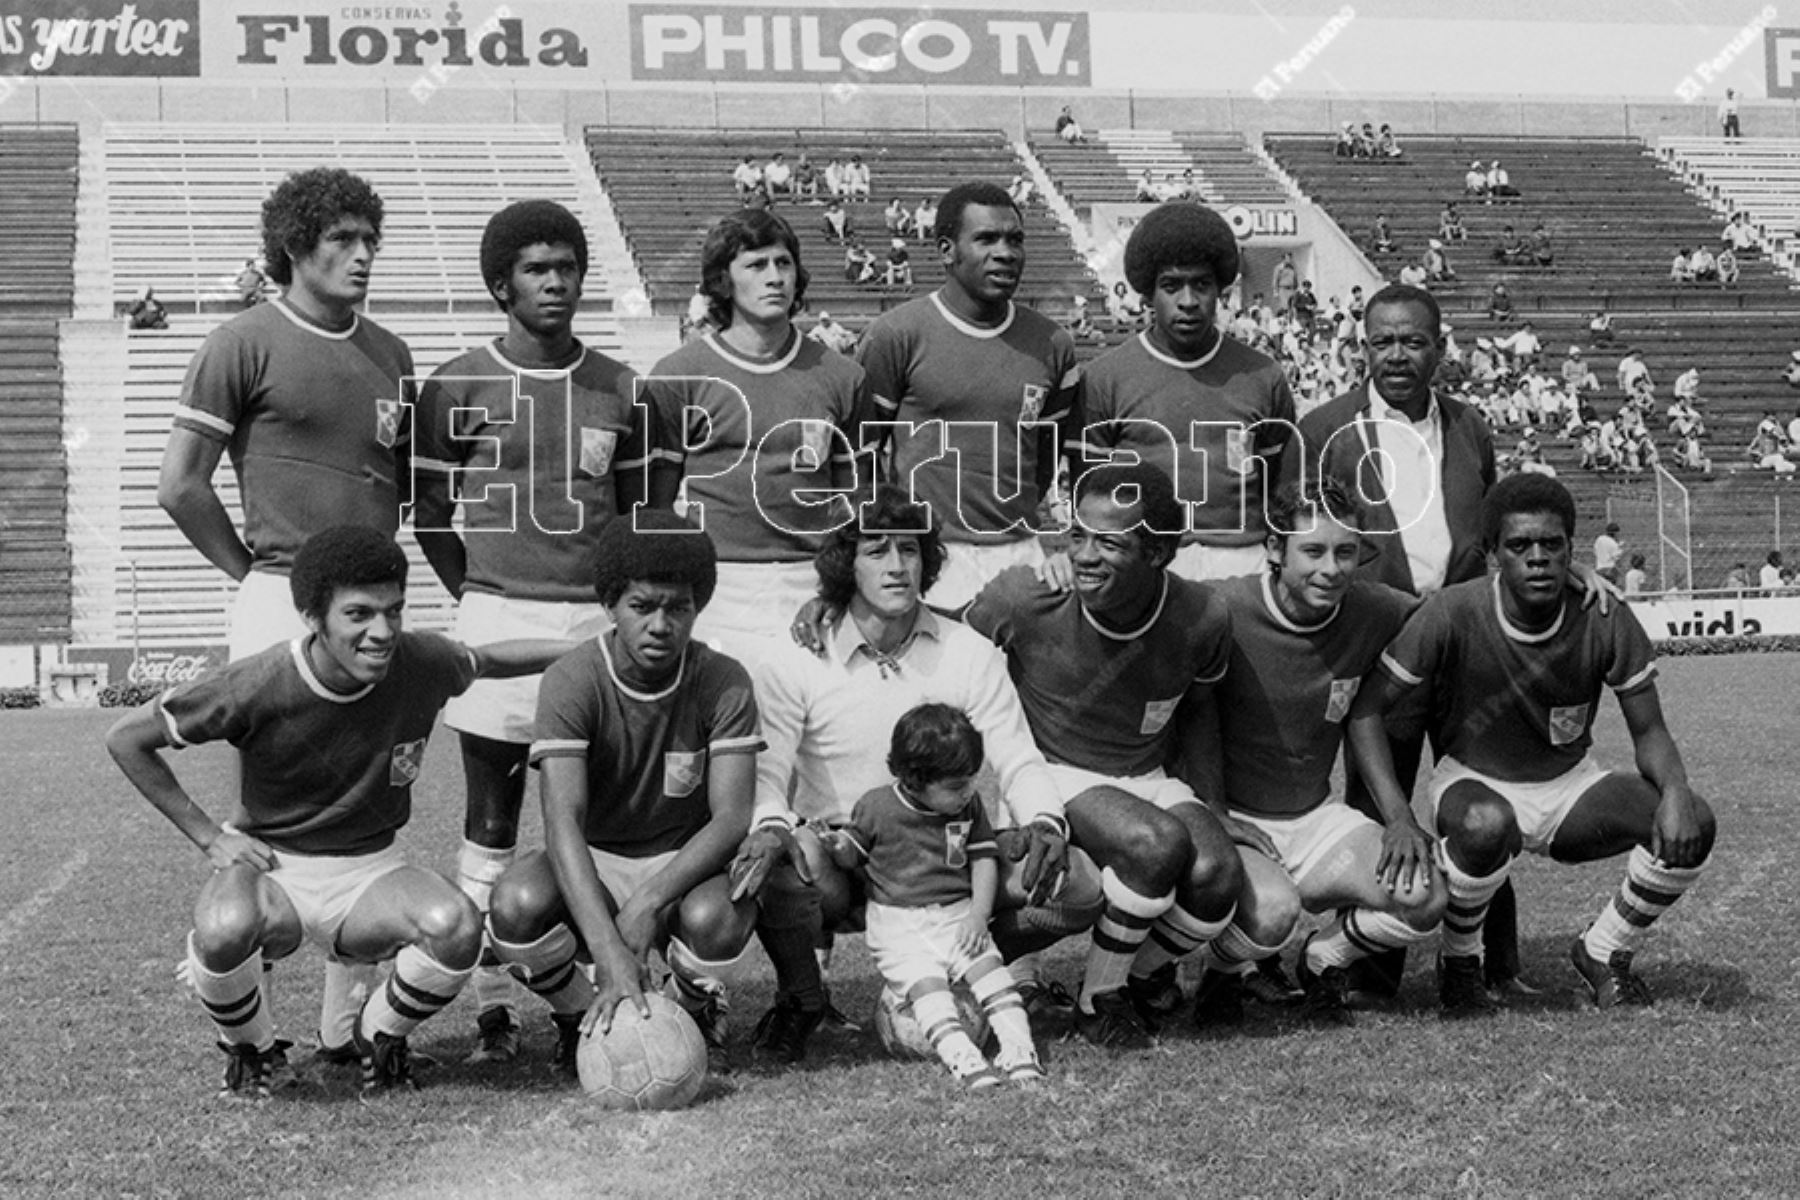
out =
column 928, row 854
column 310, row 853
column 1212, row 413
column 309, row 397
column 1518, row 666
column 826, row 718
column 1109, row 674
column 977, row 389
column 647, row 742
column 1303, row 636
column 537, row 438
column 762, row 423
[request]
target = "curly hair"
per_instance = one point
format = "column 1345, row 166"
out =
column 891, row 512
column 303, row 206
column 1404, row 293
column 1296, row 505
column 746, row 229
column 1526, row 492
column 653, row 545
column 343, row 556
column 932, row 743
column 517, row 228
column 1180, row 233
column 1163, row 516
column 980, row 194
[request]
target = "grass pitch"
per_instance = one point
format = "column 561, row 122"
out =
column 108, row 1067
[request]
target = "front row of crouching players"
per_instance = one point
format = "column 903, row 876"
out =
column 310, row 852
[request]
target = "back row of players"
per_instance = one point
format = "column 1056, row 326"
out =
column 1162, row 745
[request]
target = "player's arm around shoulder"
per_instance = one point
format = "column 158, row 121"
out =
column 136, row 742
column 519, row 656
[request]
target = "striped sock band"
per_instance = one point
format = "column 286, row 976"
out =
column 1175, row 935
column 1469, row 897
column 418, row 988
column 1650, row 887
column 234, row 1000
column 548, row 967
column 1122, row 928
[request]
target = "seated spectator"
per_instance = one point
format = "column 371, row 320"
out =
column 1509, row 250
column 1737, row 579
column 1081, row 326
column 1791, row 376
column 1412, row 275
column 1765, row 453
column 1529, row 455
column 697, row 321
column 1640, row 452
column 1386, row 145
column 834, row 179
column 1636, row 577
column 1703, row 266
column 836, row 221
column 1124, row 307
column 1600, row 328
column 859, row 263
column 1577, row 376
column 1632, row 370
column 831, row 335
column 1500, row 305
column 925, row 219
column 896, row 218
column 1068, row 128
column 1381, row 237
column 1727, row 267
column 1499, row 183
column 1687, row 384
column 806, row 180
column 778, row 176
column 748, row 178
column 1542, row 253
column 1773, row 429
column 147, row 312
column 1344, row 146
column 1450, row 226
column 1190, row 185
column 1685, row 421
column 856, row 179
column 1365, row 141
column 1484, row 364
column 1772, row 577
column 899, row 264
column 1739, row 234
column 1587, row 441
column 1681, row 268
column 250, row 284
column 1793, row 432
column 1690, row 455
column 1020, row 189
column 1147, row 191
column 1475, row 183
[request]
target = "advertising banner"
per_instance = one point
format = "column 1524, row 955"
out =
column 846, row 45
column 99, row 38
column 1722, row 614
column 163, row 667
column 1781, row 57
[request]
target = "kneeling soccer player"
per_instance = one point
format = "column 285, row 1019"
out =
column 647, row 742
column 1519, row 665
column 1304, row 634
column 331, row 729
column 929, row 855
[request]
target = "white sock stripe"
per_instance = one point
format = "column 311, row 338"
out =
column 1184, row 928
column 1123, row 896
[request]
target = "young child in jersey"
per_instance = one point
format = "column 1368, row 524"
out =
column 928, row 850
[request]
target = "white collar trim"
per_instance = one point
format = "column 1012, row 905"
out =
column 1521, row 635
column 756, row 366
column 1285, row 621
column 1180, row 364
column 335, row 335
column 1132, row 635
column 303, row 664
column 499, row 356
column 975, row 331
column 633, row 693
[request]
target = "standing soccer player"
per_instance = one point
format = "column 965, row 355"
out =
column 1518, row 666
column 310, row 854
column 977, row 390
column 309, row 397
column 1210, row 412
column 536, row 437
column 763, row 425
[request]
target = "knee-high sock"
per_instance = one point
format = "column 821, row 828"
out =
column 548, row 967
column 1122, row 928
column 1357, row 933
column 935, row 1010
column 788, row 924
column 697, row 980
column 1175, row 935
column 234, row 1000
column 999, row 997
column 477, row 867
column 1234, row 953
column 418, row 988
column 1469, row 896
column 346, row 983
column 1650, row 887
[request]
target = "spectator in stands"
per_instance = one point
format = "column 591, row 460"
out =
column 836, row 221
column 897, row 219
column 1727, row 267
column 1636, row 578
column 1146, row 188
column 1684, row 419
column 1600, row 328
column 1365, row 141
column 1791, row 376
column 1381, row 237
column 1607, row 552
column 1357, row 303
column 1500, row 305
column 831, row 335
column 857, row 182
column 1737, row 579
column 1450, row 226
column 1687, row 384
column 250, row 284
column 1681, row 269
column 1436, row 263
column 1021, row 191
column 1703, row 266
column 1124, row 304
column 1728, row 114
column 1793, row 433
column 1576, row 375
column 1739, row 234
column 1081, row 326
column 747, row 177
column 1769, row 577
column 1529, row 454
column 1305, row 305
column 1286, row 283
column 1499, row 183
column 859, row 261
column 1344, row 144
column 1386, row 145
column 147, row 312
column 1632, row 370
column 1068, row 128
column 1766, row 450
column 806, row 180
column 1542, row 252
column 1509, row 249
column 1475, row 182
column 778, row 177
column 1190, row 185
column 697, row 321
column 1412, row 275
column 834, row 179
column 925, row 218
column 1690, row 455
column 899, row 264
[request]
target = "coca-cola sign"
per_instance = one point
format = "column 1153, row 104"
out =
column 161, row 667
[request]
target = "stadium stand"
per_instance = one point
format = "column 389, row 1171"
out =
column 669, row 186
column 1759, row 177
column 38, row 183
column 1106, row 169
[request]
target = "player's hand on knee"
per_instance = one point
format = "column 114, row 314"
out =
column 1676, row 835
column 811, row 622
column 1046, row 854
column 766, row 848
column 1243, row 833
column 972, row 937
column 1057, row 572
column 232, row 847
column 1407, row 857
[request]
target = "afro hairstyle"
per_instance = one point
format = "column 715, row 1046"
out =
column 746, row 229
column 653, row 545
column 303, row 206
column 1526, row 492
column 343, row 556
column 520, row 226
column 1162, row 517
column 978, row 194
column 932, row 743
column 1180, row 233
column 892, row 511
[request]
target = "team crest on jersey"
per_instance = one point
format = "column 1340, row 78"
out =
column 597, row 446
column 1238, row 460
column 815, row 445
column 1337, row 706
column 387, row 421
column 1157, row 714
column 682, row 771
column 1031, row 407
column 404, row 765
column 956, row 843
column 1567, row 723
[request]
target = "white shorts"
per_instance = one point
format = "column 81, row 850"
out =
column 323, row 888
column 1159, row 788
column 1539, row 808
column 1199, row 562
column 1304, row 842
column 911, row 944
column 969, row 565
column 505, row 710
column 623, row 877
column 263, row 613
column 754, row 605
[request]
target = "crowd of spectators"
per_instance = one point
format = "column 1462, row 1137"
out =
column 1366, row 142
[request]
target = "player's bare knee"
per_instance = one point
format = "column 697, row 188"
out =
column 1152, row 853
column 1482, row 831
column 712, row 926
column 1268, row 915
column 520, row 908
column 450, row 929
column 226, row 932
column 1422, row 908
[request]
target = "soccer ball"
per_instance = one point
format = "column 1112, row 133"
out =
column 641, row 1064
column 899, row 1030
